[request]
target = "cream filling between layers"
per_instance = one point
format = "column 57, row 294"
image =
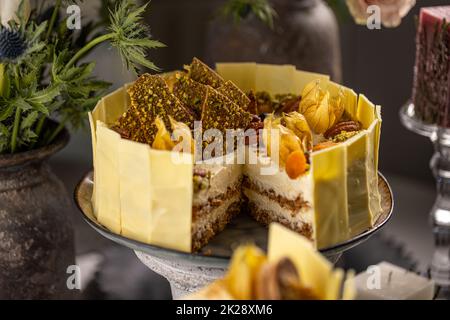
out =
column 205, row 220
column 303, row 216
column 223, row 176
column 280, row 181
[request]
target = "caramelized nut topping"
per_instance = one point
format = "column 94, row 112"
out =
column 346, row 126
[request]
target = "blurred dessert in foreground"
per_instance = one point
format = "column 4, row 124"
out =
column 292, row 270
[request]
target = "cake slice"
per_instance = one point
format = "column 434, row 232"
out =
column 217, row 199
column 278, row 198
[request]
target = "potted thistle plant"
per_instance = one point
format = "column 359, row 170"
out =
column 45, row 85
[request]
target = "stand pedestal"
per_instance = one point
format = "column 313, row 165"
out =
column 184, row 277
column 440, row 213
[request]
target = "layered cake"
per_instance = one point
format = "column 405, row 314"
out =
column 178, row 155
column 431, row 95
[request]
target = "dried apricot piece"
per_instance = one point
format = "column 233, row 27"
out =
column 296, row 164
column 324, row 145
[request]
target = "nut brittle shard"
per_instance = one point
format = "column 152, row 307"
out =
column 151, row 98
column 235, row 94
column 200, row 72
column 129, row 126
column 191, row 93
column 221, row 113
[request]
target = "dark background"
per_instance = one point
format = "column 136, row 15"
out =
column 378, row 63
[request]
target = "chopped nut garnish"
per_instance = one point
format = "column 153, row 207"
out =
column 344, row 136
column 346, row 126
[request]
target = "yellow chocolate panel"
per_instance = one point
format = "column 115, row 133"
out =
column 242, row 74
column 172, row 191
column 372, row 172
column 366, row 113
column 135, row 190
column 350, row 97
column 314, row 269
column 359, row 215
column 351, row 102
column 302, row 78
column 275, row 79
column 111, row 107
column 171, row 169
column 330, row 196
column 94, row 147
column 377, row 136
column 172, row 218
column 108, row 185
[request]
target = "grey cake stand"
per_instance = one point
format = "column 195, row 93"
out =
column 188, row 272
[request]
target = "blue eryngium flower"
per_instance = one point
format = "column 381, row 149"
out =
column 12, row 44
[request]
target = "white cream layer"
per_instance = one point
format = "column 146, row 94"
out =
column 223, row 176
column 214, row 214
column 279, row 181
column 300, row 217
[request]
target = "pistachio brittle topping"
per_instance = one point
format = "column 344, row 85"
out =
column 235, row 94
column 191, row 93
column 200, row 72
column 221, row 113
column 129, row 126
column 151, row 97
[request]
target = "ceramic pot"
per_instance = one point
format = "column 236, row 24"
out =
column 36, row 235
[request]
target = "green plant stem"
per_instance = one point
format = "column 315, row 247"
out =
column 88, row 47
column 39, row 127
column 53, row 19
column 15, row 130
column 57, row 131
column 2, row 79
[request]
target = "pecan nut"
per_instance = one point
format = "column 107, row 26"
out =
column 257, row 124
column 345, row 126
